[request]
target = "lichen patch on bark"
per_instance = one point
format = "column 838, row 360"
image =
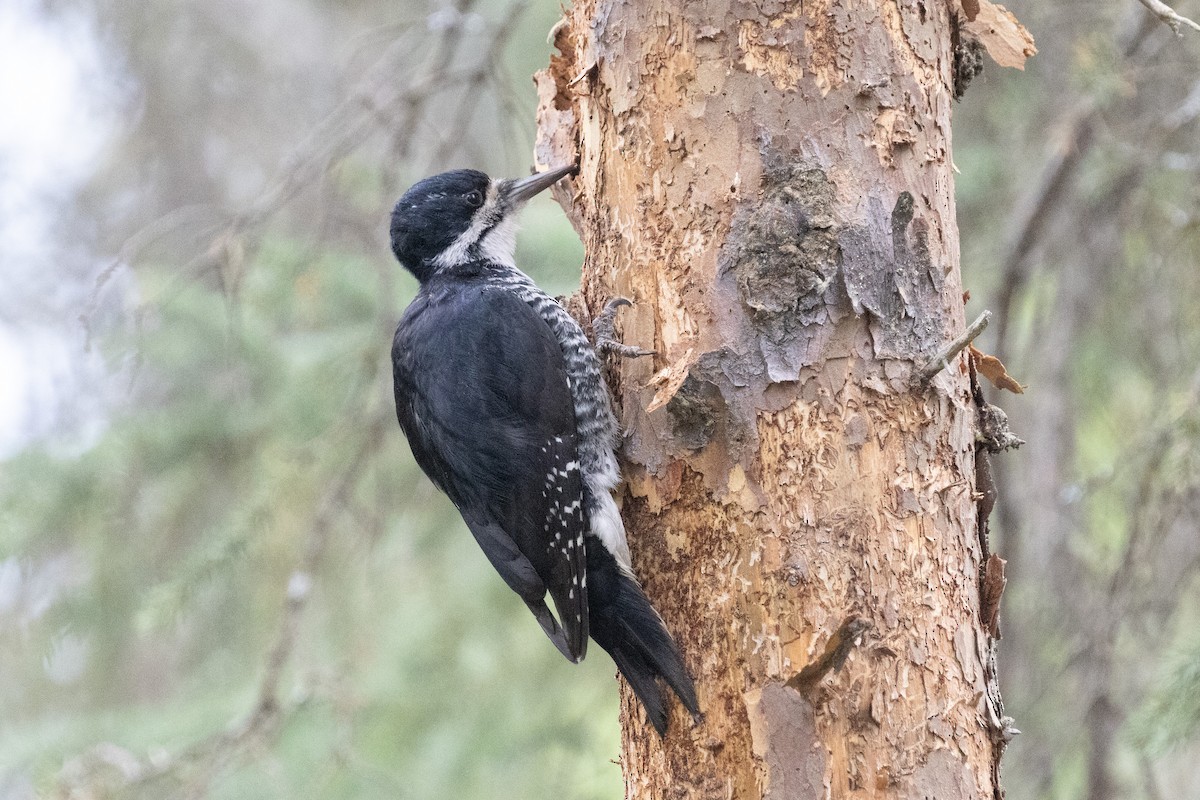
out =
column 781, row 249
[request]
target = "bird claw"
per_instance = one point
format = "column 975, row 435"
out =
column 604, row 327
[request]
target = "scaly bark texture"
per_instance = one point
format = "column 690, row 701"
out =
column 771, row 183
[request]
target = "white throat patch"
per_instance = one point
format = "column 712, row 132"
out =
column 496, row 239
column 500, row 242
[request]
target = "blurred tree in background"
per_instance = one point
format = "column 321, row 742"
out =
column 1079, row 205
column 224, row 577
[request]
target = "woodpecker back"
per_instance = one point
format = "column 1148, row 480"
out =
column 503, row 402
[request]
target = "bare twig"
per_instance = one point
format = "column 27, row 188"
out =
column 300, row 583
column 212, row 754
column 1167, row 14
column 469, row 102
column 941, row 360
column 131, row 247
column 371, row 106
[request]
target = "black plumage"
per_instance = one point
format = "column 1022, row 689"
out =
column 483, row 398
column 502, row 401
column 629, row 629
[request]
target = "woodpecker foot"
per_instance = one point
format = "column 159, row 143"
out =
column 603, row 327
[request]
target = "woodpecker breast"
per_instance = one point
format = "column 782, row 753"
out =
column 595, row 423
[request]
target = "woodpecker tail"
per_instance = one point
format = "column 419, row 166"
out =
column 623, row 622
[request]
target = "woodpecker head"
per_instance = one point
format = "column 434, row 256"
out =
column 462, row 216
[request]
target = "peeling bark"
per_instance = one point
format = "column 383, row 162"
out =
column 771, row 184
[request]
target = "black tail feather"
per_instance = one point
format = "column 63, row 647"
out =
column 623, row 622
column 641, row 680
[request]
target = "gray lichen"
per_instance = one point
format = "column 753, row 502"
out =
column 784, row 251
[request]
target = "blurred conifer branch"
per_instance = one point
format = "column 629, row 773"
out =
column 377, row 104
column 384, row 101
column 1168, row 15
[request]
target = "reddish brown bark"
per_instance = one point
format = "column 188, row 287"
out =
column 771, row 183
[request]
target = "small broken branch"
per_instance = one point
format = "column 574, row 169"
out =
column 941, row 361
column 994, row 370
column 1167, row 14
column 837, row 650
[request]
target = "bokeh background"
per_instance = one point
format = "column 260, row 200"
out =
column 221, row 575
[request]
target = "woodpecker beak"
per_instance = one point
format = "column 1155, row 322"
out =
column 518, row 190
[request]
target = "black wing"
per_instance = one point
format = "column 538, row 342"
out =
column 482, row 394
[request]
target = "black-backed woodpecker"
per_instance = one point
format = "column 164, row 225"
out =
column 501, row 397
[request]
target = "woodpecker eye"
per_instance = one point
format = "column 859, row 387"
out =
column 474, row 197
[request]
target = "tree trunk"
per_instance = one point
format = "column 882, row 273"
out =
column 771, row 183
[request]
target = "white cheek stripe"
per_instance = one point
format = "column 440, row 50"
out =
column 456, row 253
